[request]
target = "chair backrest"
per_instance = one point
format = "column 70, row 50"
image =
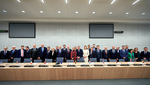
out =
column 133, row 60
column 38, row 61
column 27, row 60
column 112, row 60
column 48, row 60
column 145, row 60
column 93, row 59
column 18, row 60
column 101, row 60
column 69, row 61
column 4, row 60
column 59, row 59
column 80, row 59
column 121, row 60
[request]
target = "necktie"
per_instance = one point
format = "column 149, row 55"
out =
column 106, row 52
column 42, row 49
column 4, row 52
column 21, row 53
column 98, row 51
column 12, row 51
column 59, row 51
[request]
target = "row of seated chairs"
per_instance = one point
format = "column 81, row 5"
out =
column 60, row 59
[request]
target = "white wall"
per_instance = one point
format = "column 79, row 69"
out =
column 135, row 35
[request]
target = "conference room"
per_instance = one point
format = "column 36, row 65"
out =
column 71, row 42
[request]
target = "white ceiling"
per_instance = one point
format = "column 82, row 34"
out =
column 50, row 10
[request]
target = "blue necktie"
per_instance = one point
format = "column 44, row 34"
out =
column 12, row 51
column 42, row 49
column 4, row 52
column 59, row 51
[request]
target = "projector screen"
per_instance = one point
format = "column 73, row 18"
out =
column 21, row 30
column 101, row 30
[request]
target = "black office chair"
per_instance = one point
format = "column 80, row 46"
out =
column 93, row 59
column 48, row 60
column 17, row 60
column 4, row 60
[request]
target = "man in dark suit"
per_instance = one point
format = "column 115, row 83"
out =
column 145, row 54
column 64, row 50
column 68, row 51
column 113, row 53
column 21, row 53
column 105, row 53
column 91, row 54
column 98, row 53
column 13, row 53
column 127, row 48
column 89, row 47
column 34, row 53
column 123, row 53
column 118, row 50
column 42, row 52
column 28, row 52
column 79, row 52
column 94, row 48
column 56, row 49
column 5, row 54
column 53, row 55
column 60, row 52
column 48, row 53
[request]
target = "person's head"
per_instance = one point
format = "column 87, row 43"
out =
column 60, row 47
column 97, row 46
column 131, row 50
column 113, row 47
column 42, row 45
column 22, row 47
column 5, row 48
column 85, row 47
column 56, row 47
column 13, row 47
column 27, row 47
column 117, row 48
column 73, row 48
column 135, row 49
column 64, row 46
column 145, row 49
column 78, row 47
column 105, row 48
column 93, row 45
column 48, row 48
column 123, row 47
column 89, row 46
column 68, row 47
column 127, row 47
column 34, row 45
column 53, row 49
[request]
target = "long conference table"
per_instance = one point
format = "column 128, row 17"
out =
column 73, row 71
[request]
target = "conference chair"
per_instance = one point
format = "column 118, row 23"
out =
column 112, row 60
column 101, row 60
column 69, row 61
column 93, row 59
column 27, row 60
column 17, row 60
column 80, row 59
column 38, row 61
column 59, row 59
column 4, row 60
column 145, row 60
column 121, row 60
column 133, row 60
column 48, row 60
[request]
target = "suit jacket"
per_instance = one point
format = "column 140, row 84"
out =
column 68, row 54
column 130, row 56
column 48, row 54
column 28, row 53
column 123, row 54
column 118, row 54
column 53, row 56
column 42, row 54
column 19, row 53
column 64, row 51
column 147, row 55
column 93, row 49
column 92, row 55
column 13, row 53
column 60, row 54
column 34, row 54
column 113, row 55
column 98, row 54
column 79, row 53
column 104, row 55
column 5, row 56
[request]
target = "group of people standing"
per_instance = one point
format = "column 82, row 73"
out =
column 74, row 53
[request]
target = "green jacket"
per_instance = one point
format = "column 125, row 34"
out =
column 130, row 56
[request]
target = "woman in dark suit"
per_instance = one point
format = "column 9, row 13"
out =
column 137, row 54
column 53, row 54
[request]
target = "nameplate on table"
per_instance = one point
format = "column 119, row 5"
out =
column 43, row 65
column 28, row 66
column 98, row 65
column 2, row 66
column 137, row 64
column 124, row 64
column 57, row 66
column 111, row 65
column 71, row 66
column 14, row 66
column 84, row 65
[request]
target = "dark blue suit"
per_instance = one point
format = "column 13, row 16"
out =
column 147, row 55
column 13, row 54
column 60, row 54
column 92, row 55
column 19, row 55
column 79, row 53
column 98, row 54
column 123, row 54
column 68, row 54
column 5, row 56
column 47, row 54
column 104, row 55
column 42, row 54
column 28, row 53
column 113, row 55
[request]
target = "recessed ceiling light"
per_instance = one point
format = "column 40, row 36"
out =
column 143, row 13
column 66, row 1
column 135, row 2
column 90, row 1
column 76, row 12
column 59, row 12
column 41, row 11
column 93, row 12
column 110, row 12
column 4, row 11
column 113, row 1
column 127, row 13
column 23, row 11
column 42, row 1
column 18, row 0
